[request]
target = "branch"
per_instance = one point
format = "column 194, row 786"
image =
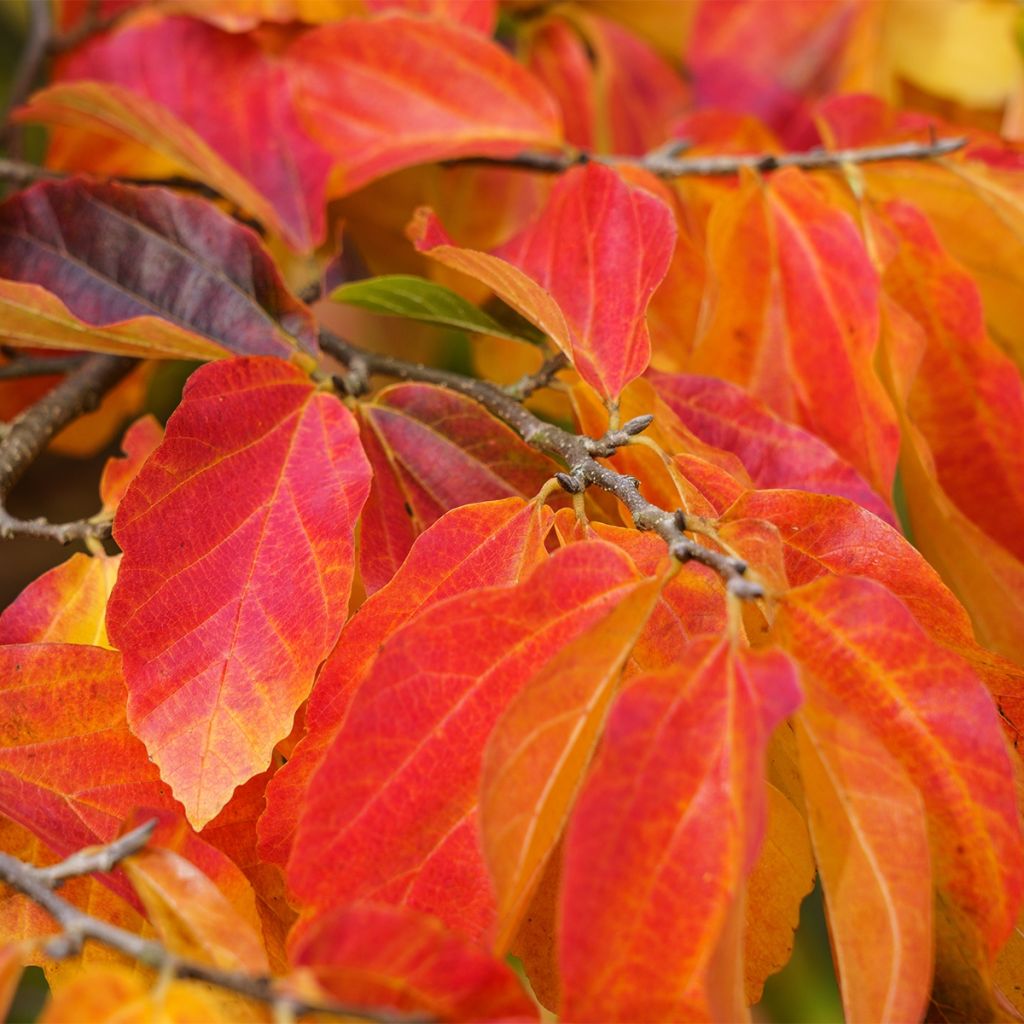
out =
column 30, row 433
column 665, row 164
column 33, row 366
column 77, row 927
column 40, row 32
column 526, row 385
column 578, row 453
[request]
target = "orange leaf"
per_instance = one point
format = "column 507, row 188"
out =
column 666, row 828
column 70, row 771
column 216, row 291
column 863, row 653
column 116, row 995
column 222, row 628
column 396, row 91
column 431, row 451
column 793, row 290
column 193, row 918
column 138, row 443
column 490, row 544
column 380, row 956
column 871, row 846
column 391, row 813
column 68, row 604
column 540, row 748
column 584, row 271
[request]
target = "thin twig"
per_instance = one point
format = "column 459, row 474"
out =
column 531, row 382
column 39, row 366
column 664, row 164
column 578, row 453
column 30, row 63
column 80, row 392
column 22, row 173
column 77, row 927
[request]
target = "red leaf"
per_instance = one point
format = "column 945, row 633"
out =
column 222, row 627
column 862, row 651
column 794, row 290
column 431, row 451
column 380, row 956
column 666, row 828
column 475, row 546
column 396, row 91
column 391, row 813
column 583, row 272
column 254, row 93
column 774, row 452
column 138, row 443
column 142, row 272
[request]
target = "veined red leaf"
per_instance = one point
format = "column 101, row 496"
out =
column 794, row 290
column 774, row 452
column 138, row 443
column 479, row 15
column 382, row 956
column 70, row 771
column 667, row 826
column 967, row 398
column 396, row 91
column 68, row 604
column 222, row 628
column 861, row 649
column 871, row 845
column 540, row 748
column 390, row 814
column 433, row 450
column 484, row 545
column 142, row 272
column 286, row 169
column 823, row 535
column 583, row 272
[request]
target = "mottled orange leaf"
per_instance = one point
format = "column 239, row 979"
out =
column 584, row 271
column 666, row 828
column 780, row 879
column 11, row 966
column 973, row 199
column 862, row 651
column 381, row 956
column 775, row 453
column 792, row 290
column 238, row 560
column 175, row 277
column 70, row 771
column 138, row 443
column 481, row 545
column 967, row 399
column 108, row 994
column 396, row 91
column 871, row 846
column 540, row 748
column 68, row 604
column 433, row 450
column 391, row 814
column 192, row 916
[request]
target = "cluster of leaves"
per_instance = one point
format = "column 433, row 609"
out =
column 396, row 716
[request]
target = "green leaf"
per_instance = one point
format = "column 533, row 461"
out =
column 416, row 298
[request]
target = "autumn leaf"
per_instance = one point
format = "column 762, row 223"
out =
column 433, row 450
column 213, row 684
column 666, row 828
column 403, row 809
column 138, row 443
column 595, row 228
column 197, row 286
column 480, row 545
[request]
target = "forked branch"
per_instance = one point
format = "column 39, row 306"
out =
column 80, row 392
column 77, row 927
column 578, row 453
